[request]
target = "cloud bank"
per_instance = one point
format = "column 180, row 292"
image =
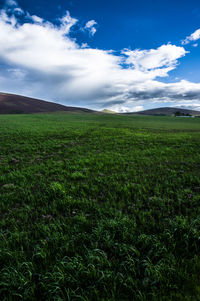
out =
column 40, row 59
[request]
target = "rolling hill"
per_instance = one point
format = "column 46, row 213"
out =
column 108, row 111
column 17, row 104
column 167, row 111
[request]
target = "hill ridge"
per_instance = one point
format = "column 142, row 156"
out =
column 166, row 111
column 19, row 104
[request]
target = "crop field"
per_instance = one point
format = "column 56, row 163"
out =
column 99, row 207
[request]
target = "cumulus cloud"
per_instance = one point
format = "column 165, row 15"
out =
column 90, row 26
column 40, row 59
column 164, row 56
column 193, row 37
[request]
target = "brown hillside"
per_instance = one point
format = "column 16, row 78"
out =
column 17, row 104
column 167, row 111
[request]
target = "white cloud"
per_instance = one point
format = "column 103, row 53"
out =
column 194, row 106
column 11, row 3
column 67, row 22
column 90, row 26
column 137, row 108
column 18, row 11
column 164, row 56
column 41, row 60
column 93, row 31
column 36, row 19
column 12, row 7
column 5, row 19
column 84, row 45
column 193, row 37
column 125, row 109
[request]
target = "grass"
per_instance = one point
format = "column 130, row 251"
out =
column 99, row 207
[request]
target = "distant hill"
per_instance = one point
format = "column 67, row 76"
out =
column 167, row 111
column 108, row 111
column 17, row 104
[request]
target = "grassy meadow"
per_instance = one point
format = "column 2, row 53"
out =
column 99, row 207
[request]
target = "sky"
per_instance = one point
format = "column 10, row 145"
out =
column 122, row 55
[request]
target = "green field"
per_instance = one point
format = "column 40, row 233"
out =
column 99, row 207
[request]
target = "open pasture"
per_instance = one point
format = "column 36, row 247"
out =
column 99, row 207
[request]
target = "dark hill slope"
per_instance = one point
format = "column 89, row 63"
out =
column 17, row 104
column 166, row 111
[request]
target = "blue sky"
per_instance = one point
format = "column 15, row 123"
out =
column 122, row 55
